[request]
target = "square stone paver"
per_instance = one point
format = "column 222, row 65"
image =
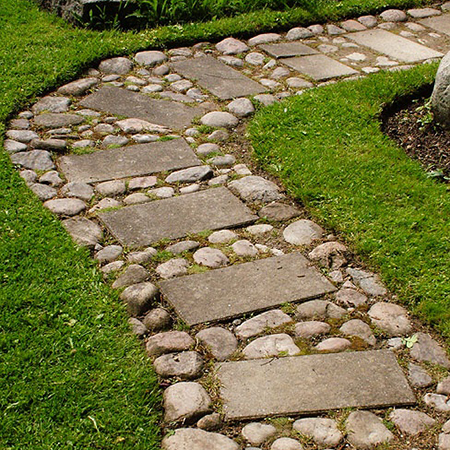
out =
column 288, row 49
column 394, row 46
column 312, row 384
column 176, row 217
column 132, row 161
column 439, row 23
column 121, row 102
column 242, row 288
column 218, row 78
column 319, row 67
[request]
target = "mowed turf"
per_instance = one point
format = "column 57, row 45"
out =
column 328, row 149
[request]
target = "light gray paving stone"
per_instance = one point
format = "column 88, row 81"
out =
column 218, row 78
column 444, row 441
column 111, row 188
column 173, row 268
column 83, row 231
column 231, row 46
column 333, row 344
column 162, row 192
column 186, row 401
column 324, row 432
column 20, row 124
column 121, row 102
column 351, row 298
column 421, row 13
column 316, row 29
column 120, row 66
column 427, row 349
column 139, row 297
column 310, row 329
column 207, row 149
column 392, row 319
column 105, row 203
column 285, row 443
column 224, row 161
column 302, row 232
column 394, row 46
column 133, row 126
column 190, row 189
column 288, row 49
column 419, row 377
column 297, row 33
column 264, row 38
column 266, row 99
column 443, row 386
column 259, row 229
column 393, row 15
column 142, row 257
column 112, row 267
column 369, row 282
column 210, row 422
column 319, row 67
column 220, row 342
column 176, row 217
column 190, row 175
column 256, row 189
column 222, row 237
column 278, row 212
column 321, row 309
column 326, row 48
column 411, row 422
column 252, row 389
column 219, row 119
column 440, row 24
column 280, row 72
column 184, row 365
column 334, row 30
column 258, row 324
column 12, row 146
column 133, row 274
column 150, row 58
column 365, row 430
column 210, row 257
column 298, row 83
column 52, row 104
column 57, row 120
column 43, row 191
column 65, row 206
column 440, row 402
column 368, row 21
column 114, row 141
column 84, row 143
column 330, row 254
column 23, row 136
column 137, row 327
column 257, row 433
column 231, row 61
column 82, row 191
column 183, row 246
column 195, row 439
column 52, row 178
column 167, row 342
column 108, row 254
column 156, row 319
column 255, row 59
column 352, row 25
column 271, row 346
column 135, row 160
column 78, row 87
column 142, row 182
column 244, row 248
column 202, row 297
column 241, row 107
column 358, row 328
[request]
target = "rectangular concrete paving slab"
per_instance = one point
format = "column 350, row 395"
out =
column 319, row 67
column 176, row 217
column 288, row 49
column 304, row 385
column 394, row 46
column 121, row 102
column 254, row 286
column 218, row 78
column 132, row 161
column 439, row 23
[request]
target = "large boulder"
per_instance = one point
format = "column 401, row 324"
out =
column 440, row 99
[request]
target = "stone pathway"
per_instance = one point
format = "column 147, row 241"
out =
column 252, row 315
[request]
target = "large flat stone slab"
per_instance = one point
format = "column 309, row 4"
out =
column 121, row 102
column 439, row 23
column 132, row 161
column 319, row 67
column 312, row 384
column 218, row 78
column 394, row 46
column 176, row 217
column 249, row 287
column 288, row 49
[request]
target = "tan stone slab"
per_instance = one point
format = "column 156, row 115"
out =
column 132, row 161
column 394, row 46
column 230, row 292
column 172, row 218
column 288, row 49
column 218, row 78
column 304, row 385
column 121, row 102
column 440, row 23
column 319, row 67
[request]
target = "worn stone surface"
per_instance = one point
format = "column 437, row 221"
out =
column 190, row 175
column 288, row 49
column 186, row 401
column 167, row 342
column 43, row 191
column 333, row 344
column 324, row 432
column 244, row 248
column 267, row 320
column 122, row 102
column 183, row 246
column 83, row 231
column 369, row 282
column 176, row 217
column 219, row 119
column 302, row 232
column 241, row 107
column 365, row 430
column 195, row 439
column 269, row 346
column 231, row 46
column 143, row 256
column 329, row 254
column 207, row 149
column 278, row 212
column 56, row 120
column 185, row 365
column 134, row 160
column 23, row 136
column 312, row 328
column 78, row 87
column 210, row 422
column 358, row 328
column 321, row 309
column 108, row 254
column 222, row 236
column 142, row 182
column 119, row 66
column 65, row 206
column 34, row 160
column 443, row 386
column 137, row 327
column 222, row 293
column 12, row 146
column 411, row 422
column 150, row 58
column 256, row 189
column 350, row 297
column 255, row 388
column 257, row 433
column 134, row 126
column 392, row 319
column 440, row 99
column 440, row 24
column 210, row 257
column 394, row 46
column 220, row 342
column 285, row 443
column 111, row 188
column 82, row 191
column 218, row 78
column 51, row 104
column 54, row 145
column 438, row 401
column 427, row 349
column 173, row 268
column 133, row 274
column 319, row 67
column 139, row 297
column 418, row 377
column 156, row 319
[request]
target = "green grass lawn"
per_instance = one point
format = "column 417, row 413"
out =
column 327, row 148
column 72, row 375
